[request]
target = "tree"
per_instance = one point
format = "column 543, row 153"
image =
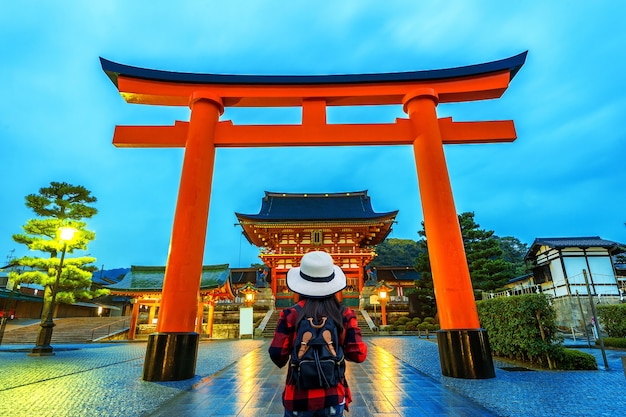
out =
column 514, row 251
column 60, row 204
column 488, row 266
column 422, row 297
column 396, row 252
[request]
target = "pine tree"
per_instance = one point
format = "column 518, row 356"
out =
column 488, row 267
column 59, row 205
column 488, row 270
column 423, row 296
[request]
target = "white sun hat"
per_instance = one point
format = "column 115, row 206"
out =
column 317, row 276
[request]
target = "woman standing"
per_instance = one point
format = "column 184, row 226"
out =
column 316, row 281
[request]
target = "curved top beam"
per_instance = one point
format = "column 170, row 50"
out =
column 156, row 87
column 114, row 70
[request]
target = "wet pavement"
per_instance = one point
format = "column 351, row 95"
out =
column 401, row 377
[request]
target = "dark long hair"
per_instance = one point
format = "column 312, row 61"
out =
column 320, row 307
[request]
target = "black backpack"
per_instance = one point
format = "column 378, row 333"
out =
column 317, row 358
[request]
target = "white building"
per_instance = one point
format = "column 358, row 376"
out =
column 559, row 265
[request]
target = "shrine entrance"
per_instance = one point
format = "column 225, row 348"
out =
column 463, row 346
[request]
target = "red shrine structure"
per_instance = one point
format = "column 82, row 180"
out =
column 143, row 285
column 290, row 225
column 463, row 345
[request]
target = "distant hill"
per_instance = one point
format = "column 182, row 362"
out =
column 109, row 276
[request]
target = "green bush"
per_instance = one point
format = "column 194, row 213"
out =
column 616, row 342
column 403, row 320
column 613, row 319
column 411, row 326
column 513, row 325
column 571, row 359
column 399, row 328
column 416, row 320
column 428, row 320
column 424, row 326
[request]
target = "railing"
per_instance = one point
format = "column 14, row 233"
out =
column 599, row 284
column 114, row 327
column 267, row 318
column 513, row 291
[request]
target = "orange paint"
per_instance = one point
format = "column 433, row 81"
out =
column 179, row 302
column 383, row 311
column 426, row 133
column 171, row 93
column 132, row 332
column 453, row 289
column 228, row 135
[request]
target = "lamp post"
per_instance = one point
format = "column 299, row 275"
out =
column 43, row 348
column 246, row 316
column 383, row 292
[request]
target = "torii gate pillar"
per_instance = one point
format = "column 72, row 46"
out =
column 463, row 346
column 175, row 341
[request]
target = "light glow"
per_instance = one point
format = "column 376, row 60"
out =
column 66, row 233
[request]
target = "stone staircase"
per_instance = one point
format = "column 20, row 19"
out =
column 271, row 324
column 365, row 328
column 68, row 330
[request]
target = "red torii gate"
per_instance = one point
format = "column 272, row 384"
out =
column 463, row 346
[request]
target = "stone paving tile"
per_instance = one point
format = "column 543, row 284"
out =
column 401, row 377
column 533, row 393
column 98, row 379
column 382, row 386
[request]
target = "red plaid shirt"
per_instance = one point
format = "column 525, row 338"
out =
column 280, row 349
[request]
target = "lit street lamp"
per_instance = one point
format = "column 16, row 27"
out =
column 44, row 336
column 383, row 294
column 246, row 316
column 249, row 292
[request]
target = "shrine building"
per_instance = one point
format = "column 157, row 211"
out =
column 144, row 286
column 289, row 225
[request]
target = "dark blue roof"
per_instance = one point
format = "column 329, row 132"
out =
column 399, row 273
column 308, row 207
column 109, row 276
column 512, row 64
column 576, row 242
column 150, row 278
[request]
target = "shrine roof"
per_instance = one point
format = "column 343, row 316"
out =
column 115, row 70
column 242, row 275
column 150, row 278
column 313, row 206
column 575, row 242
column 397, row 273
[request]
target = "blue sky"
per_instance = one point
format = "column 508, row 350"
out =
column 563, row 176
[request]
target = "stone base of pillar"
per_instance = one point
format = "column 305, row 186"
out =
column 41, row 351
column 465, row 354
column 171, row 356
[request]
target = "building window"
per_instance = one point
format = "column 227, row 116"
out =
column 317, row 237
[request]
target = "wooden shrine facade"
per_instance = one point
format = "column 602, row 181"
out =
column 144, row 284
column 342, row 224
